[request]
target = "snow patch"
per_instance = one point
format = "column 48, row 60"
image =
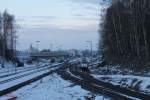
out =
column 138, row 83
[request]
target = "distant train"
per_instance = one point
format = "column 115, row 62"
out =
column 84, row 65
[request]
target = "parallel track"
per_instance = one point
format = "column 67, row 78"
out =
column 21, row 71
column 34, row 70
column 22, row 84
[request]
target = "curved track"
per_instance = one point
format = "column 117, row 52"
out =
column 86, row 81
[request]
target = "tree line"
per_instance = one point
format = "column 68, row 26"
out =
column 7, row 36
column 125, row 31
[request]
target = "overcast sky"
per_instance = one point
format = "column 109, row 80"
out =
column 64, row 23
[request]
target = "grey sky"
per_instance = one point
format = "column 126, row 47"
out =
column 60, row 22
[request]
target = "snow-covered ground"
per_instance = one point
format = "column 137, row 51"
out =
column 8, row 67
column 14, row 82
column 138, row 83
column 53, row 87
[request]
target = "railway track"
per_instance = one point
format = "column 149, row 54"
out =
column 26, row 73
column 23, row 72
column 88, row 82
column 18, row 71
column 23, row 75
column 12, row 88
column 19, row 68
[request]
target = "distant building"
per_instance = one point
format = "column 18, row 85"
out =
column 75, row 53
column 32, row 49
column 23, row 55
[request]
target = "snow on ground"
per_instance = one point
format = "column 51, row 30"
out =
column 53, row 87
column 139, row 83
column 8, row 67
column 23, row 79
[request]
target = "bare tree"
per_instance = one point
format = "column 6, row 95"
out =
column 7, row 36
column 125, row 33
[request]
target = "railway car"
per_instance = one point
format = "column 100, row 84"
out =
column 84, row 65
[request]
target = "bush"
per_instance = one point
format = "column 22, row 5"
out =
column 53, row 60
column 20, row 64
column 30, row 62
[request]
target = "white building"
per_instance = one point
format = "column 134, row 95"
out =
column 32, row 49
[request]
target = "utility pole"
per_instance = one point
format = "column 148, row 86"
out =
column 60, row 47
column 37, row 44
column 14, row 50
column 51, row 47
column 4, row 42
column 91, row 47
